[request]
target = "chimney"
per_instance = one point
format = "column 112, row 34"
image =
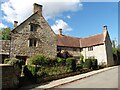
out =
column 15, row 23
column 37, row 8
column 105, row 27
column 105, row 31
column 60, row 31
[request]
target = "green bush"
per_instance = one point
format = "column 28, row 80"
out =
column 42, row 74
column 6, row 60
column 94, row 64
column 33, row 69
column 71, row 63
column 17, row 66
column 13, row 61
column 60, row 61
column 81, row 57
column 79, row 66
column 37, row 60
column 87, row 63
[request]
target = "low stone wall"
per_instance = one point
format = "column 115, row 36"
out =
column 8, row 79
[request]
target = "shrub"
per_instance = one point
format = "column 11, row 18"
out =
column 15, row 62
column 79, row 66
column 6, row 60
column 42, row 74
column 94, row 64
column 37, row 60
column 81, row 57
column 30, row 71
column 71, row 63
column 60, row 61
column 88, row 63
column 26, row 72
column 65, row 54
column 33, row 69
column 102, row 65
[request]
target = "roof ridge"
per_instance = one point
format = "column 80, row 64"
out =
column 92, row 36
column 23, row 21
column 70, row 36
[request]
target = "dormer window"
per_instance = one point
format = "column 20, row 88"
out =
column 33, row 27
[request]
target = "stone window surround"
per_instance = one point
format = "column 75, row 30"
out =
column 32, row 42
column 33, row 28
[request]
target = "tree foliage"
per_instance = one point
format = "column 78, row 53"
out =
column 5, row 34
column 116, row 55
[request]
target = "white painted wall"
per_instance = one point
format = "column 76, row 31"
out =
column 99, row 52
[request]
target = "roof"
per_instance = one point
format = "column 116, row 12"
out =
column 68, row 41
column 63, row 40
column 92, row 40
column 23, row 22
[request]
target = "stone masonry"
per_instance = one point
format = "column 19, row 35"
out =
column 44, row 36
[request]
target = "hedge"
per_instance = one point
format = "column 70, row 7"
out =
column 71, row 63
column 94, row 64
column 87, row 64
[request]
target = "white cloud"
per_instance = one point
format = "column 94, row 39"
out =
column 60, row 24
column 2, row 26
column 68, row 16
column 21, row 9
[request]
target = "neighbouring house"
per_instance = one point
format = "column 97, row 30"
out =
column 4, row 49
column 98, row 46
column 35, row 36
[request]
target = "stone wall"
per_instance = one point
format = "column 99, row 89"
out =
column 7, row 77
column 4, row 46
column 46, row 38
column 108, row 46
column 4, row 49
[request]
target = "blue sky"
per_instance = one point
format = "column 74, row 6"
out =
column 79, row 19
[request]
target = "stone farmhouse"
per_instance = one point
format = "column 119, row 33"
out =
column 35, row 36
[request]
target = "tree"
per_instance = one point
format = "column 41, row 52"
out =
column 5, row 34
column 116, row 55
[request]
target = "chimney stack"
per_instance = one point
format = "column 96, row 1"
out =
column 60, row 31
column 105, row 27
column 15, row 23
column 37, row 8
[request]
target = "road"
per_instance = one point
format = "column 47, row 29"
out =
column 107, row 79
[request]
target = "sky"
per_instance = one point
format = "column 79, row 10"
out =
column 78, row 18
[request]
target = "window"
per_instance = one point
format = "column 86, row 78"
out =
column 32, row 28
column 58, row 49
column 90, row 48
column 74, row 49
column 81, row 49
column 32, row 42
column 91, row 57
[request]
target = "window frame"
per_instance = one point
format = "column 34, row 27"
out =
column 33, row 28
column 32, row 43
column 90, row 48
column 74, row 49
